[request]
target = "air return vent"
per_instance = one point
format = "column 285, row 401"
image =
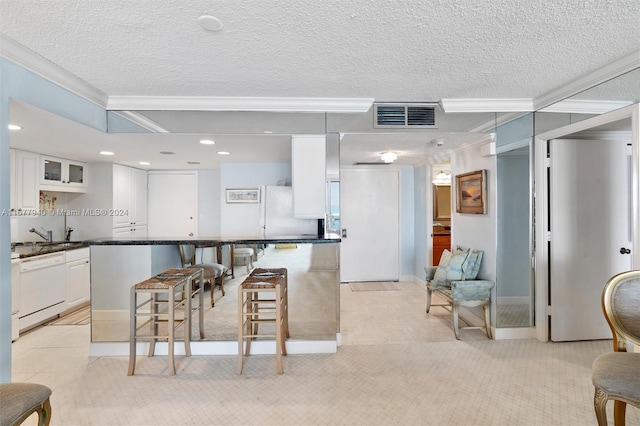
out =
column 405, row 115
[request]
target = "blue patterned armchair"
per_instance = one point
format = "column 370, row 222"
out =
column 454, row 280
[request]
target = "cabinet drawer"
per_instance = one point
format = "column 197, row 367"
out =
column 442, row 239
column 76, row 254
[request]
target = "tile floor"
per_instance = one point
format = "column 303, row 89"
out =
column 397, row 366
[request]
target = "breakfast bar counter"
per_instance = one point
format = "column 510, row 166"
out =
column 312, row 262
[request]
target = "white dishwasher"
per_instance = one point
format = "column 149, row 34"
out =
column 15, row 296
column 42, row 288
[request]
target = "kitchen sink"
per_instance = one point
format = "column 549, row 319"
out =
column 44, row 247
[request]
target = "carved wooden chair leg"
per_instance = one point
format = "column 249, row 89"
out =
column 456, row 328
column 487, row 319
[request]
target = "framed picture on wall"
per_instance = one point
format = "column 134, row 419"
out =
column 471, row 192
column 243, row 195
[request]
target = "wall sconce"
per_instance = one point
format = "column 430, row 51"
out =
column 442, row 179
column 389, row 157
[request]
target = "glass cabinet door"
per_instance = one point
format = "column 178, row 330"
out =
column 75, row 173
column 52, row 170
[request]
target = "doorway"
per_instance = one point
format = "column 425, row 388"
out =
column 370, row 218
column 621, row 123
column 441, row 229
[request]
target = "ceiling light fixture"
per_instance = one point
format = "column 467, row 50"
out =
column 144, row 163
column 207, row 142
column 210, row 23
column 14, row 127
column 224, row 152
column 389, row 157
column 107, row 153
column 442, row 178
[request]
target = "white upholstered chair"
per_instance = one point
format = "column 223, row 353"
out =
column 616, row 375
column 214, row 273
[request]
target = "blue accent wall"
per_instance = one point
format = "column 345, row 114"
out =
column 420, row 227
column 23, row 85
column 407, row 219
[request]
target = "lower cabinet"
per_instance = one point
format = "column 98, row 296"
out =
column 78, row 278
column 440, row 243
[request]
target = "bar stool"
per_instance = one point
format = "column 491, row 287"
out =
column 270, row 272
column 178, row 288
column 195, row 275
column 253, row 310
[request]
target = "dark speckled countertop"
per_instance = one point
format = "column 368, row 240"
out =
column 285, row 239
column 26, row 250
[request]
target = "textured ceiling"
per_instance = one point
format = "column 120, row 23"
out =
column 387, row 50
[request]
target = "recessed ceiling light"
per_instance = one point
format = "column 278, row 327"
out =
column 224, row 152
column 106, row 153
column 193, row 162
column 210, row 23
column 268, row 132
column 207, row 142
column 14, row 127
column 389, row 157
column 167, row 152
column 144, row 163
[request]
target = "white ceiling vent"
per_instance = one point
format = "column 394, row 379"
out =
column 394, row 115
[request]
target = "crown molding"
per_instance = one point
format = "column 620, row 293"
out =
column 582, row 106
column 268, row 104
column 487, row 105
column 618, row 67
column 141, row 121
column 31, row 61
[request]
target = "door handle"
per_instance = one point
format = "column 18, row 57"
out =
column 191, row 234
column 344, row 232
column 624, row 250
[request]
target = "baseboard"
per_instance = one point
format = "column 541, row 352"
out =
column 513, row 333
column 260, row 347
column 514, row 300
column 109, row 315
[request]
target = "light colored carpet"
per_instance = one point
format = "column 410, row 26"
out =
column 513, row 315
column 374, row 286
column 484, row 382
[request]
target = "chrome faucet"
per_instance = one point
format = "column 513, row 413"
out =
column 48, row 236
column 67, row 236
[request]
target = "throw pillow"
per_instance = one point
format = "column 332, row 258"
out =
column 450, row 268
column 471, row 265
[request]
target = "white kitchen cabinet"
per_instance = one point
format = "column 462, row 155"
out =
column 25, row 195
column 130, row 232
column 60, row 174
column 119, row 194
column 78, row 278
column 129, row 197
column 308, row 168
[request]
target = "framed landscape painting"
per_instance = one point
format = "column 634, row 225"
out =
column 471, row 192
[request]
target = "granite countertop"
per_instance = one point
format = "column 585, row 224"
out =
column 290, row 239
column 25, row 250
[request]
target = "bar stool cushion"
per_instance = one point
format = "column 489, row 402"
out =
column 19, row 400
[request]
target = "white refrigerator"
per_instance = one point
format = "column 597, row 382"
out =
column 276, row 214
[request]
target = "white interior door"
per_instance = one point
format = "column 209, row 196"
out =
column 370, row 216
column 173, row 204
column 590, row 223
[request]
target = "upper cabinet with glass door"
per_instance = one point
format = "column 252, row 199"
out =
column 62, row 175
